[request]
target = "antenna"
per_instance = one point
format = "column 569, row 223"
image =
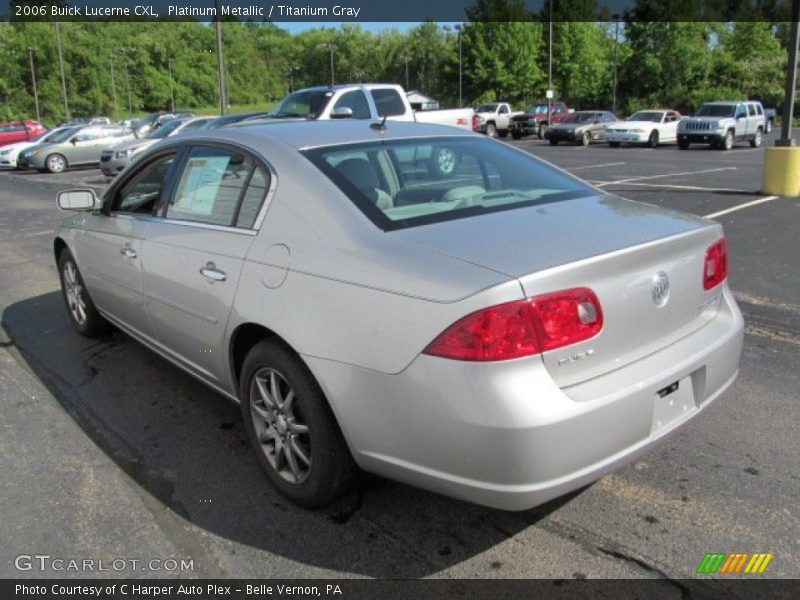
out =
column 379, row 126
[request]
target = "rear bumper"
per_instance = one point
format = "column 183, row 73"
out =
column 504, row 435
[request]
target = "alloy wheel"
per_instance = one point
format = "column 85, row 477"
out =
column 74, row 293
column 280, row 426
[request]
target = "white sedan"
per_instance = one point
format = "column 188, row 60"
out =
column 651, row 127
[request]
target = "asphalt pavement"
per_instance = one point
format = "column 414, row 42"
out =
column 108, row 452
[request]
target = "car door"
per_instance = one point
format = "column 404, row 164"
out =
column 752, row 119
column 669, row 128
column 83, row 147
column 111, row 246
column 741, row 120
column 195, row 252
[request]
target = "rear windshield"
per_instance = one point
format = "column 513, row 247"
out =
column 716, row 110
column 580, row 117
column 653, row 116
column 399, row 184
column 308, row 104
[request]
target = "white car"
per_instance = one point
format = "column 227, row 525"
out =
column 9, row 154
column 651, row 127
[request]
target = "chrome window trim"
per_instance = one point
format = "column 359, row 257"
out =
column 259, row 160
column 198, row 224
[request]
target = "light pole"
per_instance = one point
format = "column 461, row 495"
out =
column 231, row 63
column 220, row 63
column 791, row 80
column 171, row 87
column 331, row 48
column 61, row 67
column 291, row 71
column 113, row 85
column 550, row 63
column 33, row 78
column 406, row 59
column 458, row 28
column 127, row 50
column 616, row 49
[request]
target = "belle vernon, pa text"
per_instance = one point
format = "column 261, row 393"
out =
column 135, row 589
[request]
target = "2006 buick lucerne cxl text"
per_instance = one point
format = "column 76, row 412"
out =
column 504, row 333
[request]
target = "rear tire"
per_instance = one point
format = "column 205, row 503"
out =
column 291, row 427
column 553, row 142
column 756, row 141
column 541, row 131
column 443, row 161
column 82, row 311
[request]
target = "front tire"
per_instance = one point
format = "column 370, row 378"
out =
column 443, row 161
column 586, row 138
column 292, row 428
column 652, row 141
column 55, row 163
column 82, row 311
column 727, row 141
column 491, row 130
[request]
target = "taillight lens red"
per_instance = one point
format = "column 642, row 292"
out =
column 522, row 328
column 715, row 267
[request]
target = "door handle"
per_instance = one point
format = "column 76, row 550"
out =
column 212, row 272
column 128, row 252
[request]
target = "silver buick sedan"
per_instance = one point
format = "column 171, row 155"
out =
column 503, row 333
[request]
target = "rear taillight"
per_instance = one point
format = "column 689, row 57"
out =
column 476, row 123
column 522, row 328
column 715, row 266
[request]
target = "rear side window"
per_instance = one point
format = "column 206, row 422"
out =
column 399, row 184
column 388, row 102
column 218, row 186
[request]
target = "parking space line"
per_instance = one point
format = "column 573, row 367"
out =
column 685, row 187
column 594, row 166
column 667, row 175
column 741, row 206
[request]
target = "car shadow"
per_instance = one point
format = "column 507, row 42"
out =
column 186, row 446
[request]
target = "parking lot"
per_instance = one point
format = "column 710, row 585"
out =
column 108, row 451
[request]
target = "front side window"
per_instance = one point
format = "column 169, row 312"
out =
column 307, row 103
column 405, row 183
column 218, row 187
column 355, row 101
column 142, row 194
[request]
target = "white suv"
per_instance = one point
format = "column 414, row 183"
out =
column 722, row 124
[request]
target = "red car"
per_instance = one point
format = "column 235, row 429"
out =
column 12, row 132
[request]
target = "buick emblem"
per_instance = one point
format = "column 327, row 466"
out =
column 659, row 289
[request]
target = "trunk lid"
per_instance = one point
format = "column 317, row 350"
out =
column 615, row 247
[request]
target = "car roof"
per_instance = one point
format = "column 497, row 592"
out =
column 311, row 134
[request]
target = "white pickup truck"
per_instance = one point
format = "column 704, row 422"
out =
column 366, row 101
column 494, row 118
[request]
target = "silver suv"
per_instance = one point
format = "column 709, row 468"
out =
column 722, row 124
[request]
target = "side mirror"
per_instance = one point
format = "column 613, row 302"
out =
column 342, row 112
column 77, row 200
column 73, row 141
